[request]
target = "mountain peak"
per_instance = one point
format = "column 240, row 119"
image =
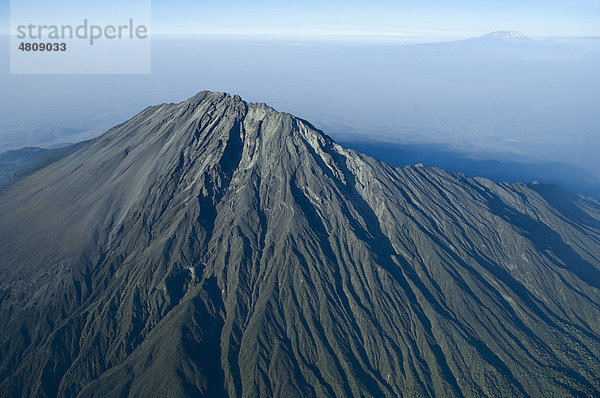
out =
column 512, row 34
column 221, row 248
column 212, row 96
column 508, row 36
column 215, row 97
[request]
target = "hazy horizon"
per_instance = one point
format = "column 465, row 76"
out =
column 429, row 18
column 377, row 71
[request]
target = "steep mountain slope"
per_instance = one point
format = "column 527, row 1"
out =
column 219, row 248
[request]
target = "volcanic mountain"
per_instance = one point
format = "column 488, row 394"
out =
column 219, row 248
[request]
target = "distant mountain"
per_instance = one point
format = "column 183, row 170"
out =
column 513, row 37
column 19, row 163
column 12, row 161
column 219, row 248
column 514, row 43
column 507, row 35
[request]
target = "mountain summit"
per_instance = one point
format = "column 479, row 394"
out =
column 219, row 248
column 507, row 35
column 507, row 38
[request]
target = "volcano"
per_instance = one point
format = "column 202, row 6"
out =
column 215, row 247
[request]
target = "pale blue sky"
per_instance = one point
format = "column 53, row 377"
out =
column 428, row 19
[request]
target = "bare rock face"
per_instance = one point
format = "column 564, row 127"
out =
column 219, row 248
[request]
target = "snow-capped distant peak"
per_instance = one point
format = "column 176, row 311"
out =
column 513, row 34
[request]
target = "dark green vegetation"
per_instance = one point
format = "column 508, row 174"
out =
column 219, row 248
